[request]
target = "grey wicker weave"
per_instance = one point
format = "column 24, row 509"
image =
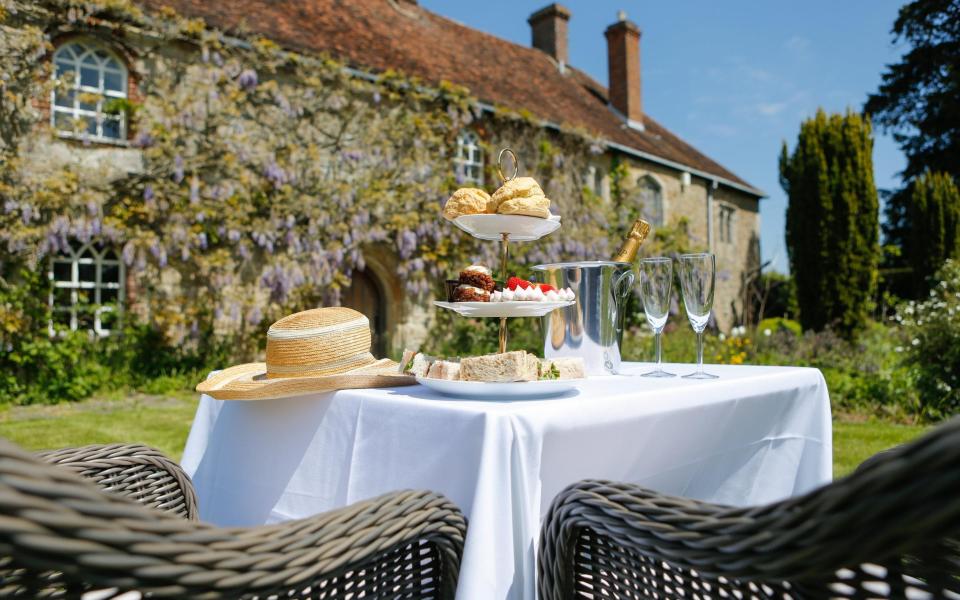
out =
column 138, row 472
column 889, row 530
column 61, row 536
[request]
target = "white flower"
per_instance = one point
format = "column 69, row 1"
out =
column 915, row 342
column 898, row 349
column 767, row 332
column 722, row 337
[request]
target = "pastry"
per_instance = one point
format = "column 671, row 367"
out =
column 508, row 366
column 469, row 293
column 468, row 201
column 534, row 206
column 519, row 187
column 521, row 290
column 478, row 276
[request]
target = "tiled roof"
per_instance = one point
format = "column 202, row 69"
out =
column 378, row 35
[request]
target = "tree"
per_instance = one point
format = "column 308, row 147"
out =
column 832, row 220
column 933, row 234
column 919, row 99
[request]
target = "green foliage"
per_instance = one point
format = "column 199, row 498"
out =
column 832, row 221
column 779, row 324
column 933, row 226
column 919, row 99
column 933, row 352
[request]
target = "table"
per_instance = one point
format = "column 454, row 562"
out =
column 756, row 435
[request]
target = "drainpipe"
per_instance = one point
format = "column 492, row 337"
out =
column 711, row 185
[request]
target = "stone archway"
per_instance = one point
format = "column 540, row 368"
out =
column 366, row 295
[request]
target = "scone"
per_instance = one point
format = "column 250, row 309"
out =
column 520, row 187
column 468, row 201
column 534, row 206
column 521, row 196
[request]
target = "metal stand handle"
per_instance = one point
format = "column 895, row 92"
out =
column 504, row 253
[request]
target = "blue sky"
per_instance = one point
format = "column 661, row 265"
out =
column 733, row 78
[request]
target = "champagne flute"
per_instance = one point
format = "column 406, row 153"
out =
column 656, row 284
column 697, row 279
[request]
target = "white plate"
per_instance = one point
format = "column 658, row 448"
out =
column 503, row 309
column 514, row 390
column 520, row 228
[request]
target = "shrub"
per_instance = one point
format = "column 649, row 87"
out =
column 779, row 324
column 933, row 350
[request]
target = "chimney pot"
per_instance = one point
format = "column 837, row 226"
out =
column 548, row 27
column 623, row 68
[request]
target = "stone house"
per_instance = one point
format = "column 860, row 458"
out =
column 670, row 177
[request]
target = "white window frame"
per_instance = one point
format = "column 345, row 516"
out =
column 75, row 258
column 726, row 223
column 594, row 179
column 657, row 213
column 469, row 157
column 83, row 49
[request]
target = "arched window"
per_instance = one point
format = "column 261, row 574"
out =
column 468, row 161
column 651, row 197
column 92, row 83
column 86, row 289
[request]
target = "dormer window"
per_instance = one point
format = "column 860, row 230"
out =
column 91, row 87
column 468, row 161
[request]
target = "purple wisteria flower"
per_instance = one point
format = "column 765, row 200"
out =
column 178, row 169
column 254, row 316
column 143, row 140
column 148, row 194
column 376, row 97
column 247, row 79
column 128, row 253
column 406, row 243
column 194, row 190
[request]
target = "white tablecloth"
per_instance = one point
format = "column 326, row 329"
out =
column 755, row 435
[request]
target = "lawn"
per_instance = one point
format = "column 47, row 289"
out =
column 163, row 422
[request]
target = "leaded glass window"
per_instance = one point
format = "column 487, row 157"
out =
column 87, row 291
column 92, row 82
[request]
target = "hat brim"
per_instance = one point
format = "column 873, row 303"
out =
column 250, row 382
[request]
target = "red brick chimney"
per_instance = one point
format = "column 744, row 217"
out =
column 623, row 67
column 549, row 28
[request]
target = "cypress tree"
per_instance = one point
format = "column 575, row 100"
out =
column 932, row 226
column 832, row 220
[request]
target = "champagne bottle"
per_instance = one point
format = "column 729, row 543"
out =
column 628, row 250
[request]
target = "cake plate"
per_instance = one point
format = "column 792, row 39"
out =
column 506, row 228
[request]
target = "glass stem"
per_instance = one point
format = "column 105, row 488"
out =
column 700, row 351
column 657, row 336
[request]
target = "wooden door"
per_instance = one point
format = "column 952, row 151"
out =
column 364, row 295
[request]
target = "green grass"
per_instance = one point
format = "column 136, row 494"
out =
column 854, row 442
column 159, row 421
column 164, row 421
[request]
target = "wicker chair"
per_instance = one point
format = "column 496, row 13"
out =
column 62, row 536
column 889, row 530
column 138, row 472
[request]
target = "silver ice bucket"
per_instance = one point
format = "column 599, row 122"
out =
column 593, row 327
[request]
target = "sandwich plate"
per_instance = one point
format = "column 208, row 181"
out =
column 504, row 309
column 495, row 391
column 520, row 228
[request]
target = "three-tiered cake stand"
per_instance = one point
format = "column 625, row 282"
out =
column 505, row 229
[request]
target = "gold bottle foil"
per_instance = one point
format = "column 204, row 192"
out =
column 628, row 250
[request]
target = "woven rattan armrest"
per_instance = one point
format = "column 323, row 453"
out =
column 136, row 471
column 892, row 525
column 59, row 532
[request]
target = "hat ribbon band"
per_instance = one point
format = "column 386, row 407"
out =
column 296, row 334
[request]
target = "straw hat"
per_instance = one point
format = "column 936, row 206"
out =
column 315, row 350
